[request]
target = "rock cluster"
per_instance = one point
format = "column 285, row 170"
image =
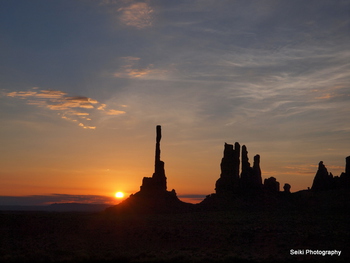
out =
column 249, row 181
column 326, row 181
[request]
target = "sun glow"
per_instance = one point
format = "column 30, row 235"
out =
column 119, row 195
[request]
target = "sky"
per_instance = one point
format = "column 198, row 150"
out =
column 83, row 84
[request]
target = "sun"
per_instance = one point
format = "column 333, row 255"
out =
column 119, row 195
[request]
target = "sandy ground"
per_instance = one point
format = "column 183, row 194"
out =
column 239, row 236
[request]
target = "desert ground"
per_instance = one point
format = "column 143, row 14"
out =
column 238, row 235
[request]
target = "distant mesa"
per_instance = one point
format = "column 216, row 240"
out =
column 326, row 181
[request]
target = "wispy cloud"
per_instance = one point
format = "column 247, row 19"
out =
column 139, row 15
column 131, row 13
column 132, row 68
column 114, row 112
column 332, row 92
column 76, row 109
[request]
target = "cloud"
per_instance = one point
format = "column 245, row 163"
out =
column 22, row 94
column 132, row 68
column 131, row 13
column 332, row 92
column 102, row 106
column 114, row 112
column 261, row 95
column 71, row 108
column 139, row 15
column 50, row 94
column 64, row 103
column 291, row 80
column 87, row 127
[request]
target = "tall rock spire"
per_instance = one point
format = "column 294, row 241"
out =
column 158, row 165
column 159, row 172
column 158, row 138
column 157, row 182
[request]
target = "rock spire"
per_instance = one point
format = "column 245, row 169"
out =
column 229, row 176
column 323, row 179
column 156, row 183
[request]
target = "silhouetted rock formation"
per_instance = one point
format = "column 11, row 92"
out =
column 323, row 180
column 229, row 170
column 344, row 179
column 245, row 191
column 236, row 160
column 233, row 189
column 272, row 185
column 257, row 180
column 251, row 176
column 286, row 188
column 326, row 181
column 156, row 183
column 247, row 171
column 230, row 183
column 153, row 196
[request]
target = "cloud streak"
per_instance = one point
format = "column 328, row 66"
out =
column 132, row 68
column 78, row 109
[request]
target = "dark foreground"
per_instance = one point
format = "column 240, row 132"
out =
column 244, row 235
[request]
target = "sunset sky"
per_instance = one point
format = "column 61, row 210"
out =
column 83, row 84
